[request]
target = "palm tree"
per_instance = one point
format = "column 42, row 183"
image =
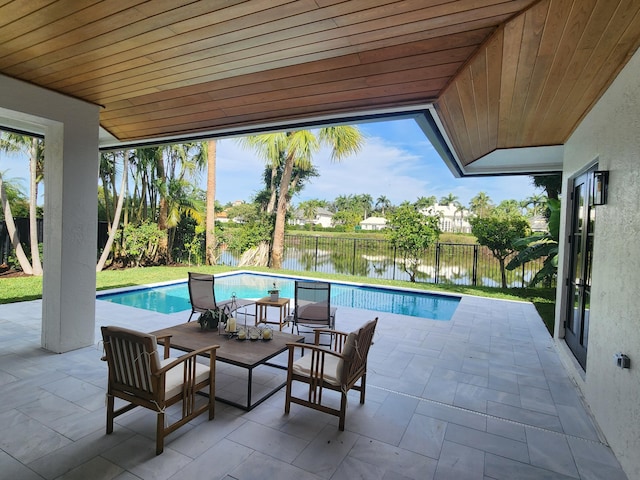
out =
column 480, row 204
column 295, row 149
column 12, row 142
column 448, row 200
column 461, row 210
column 537, row 201
column 12, row 231
column 425, row 202
column 210, row 223
column 364, row 201
column 551, row 183
column 382, row 203
column 116, row 216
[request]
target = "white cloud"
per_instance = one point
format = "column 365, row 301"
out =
column 396, row 161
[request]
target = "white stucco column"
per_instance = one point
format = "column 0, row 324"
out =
column 70, row 127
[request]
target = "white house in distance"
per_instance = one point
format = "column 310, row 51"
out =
column 323, row 218
column 452, row 219
column 373, row 223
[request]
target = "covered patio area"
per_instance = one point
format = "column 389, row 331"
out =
column 482, row 396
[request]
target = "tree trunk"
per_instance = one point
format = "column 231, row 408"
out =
column 33, row 210
column 503, row 272
column 116, row 218
column 210, row 222
column 272, row 199
column 13, row 233
column 162, row 254
column 277, row 245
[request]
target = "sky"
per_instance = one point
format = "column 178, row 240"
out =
column 397, row 161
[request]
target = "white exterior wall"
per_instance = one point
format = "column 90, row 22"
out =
column 71, row 167
column 610, row 135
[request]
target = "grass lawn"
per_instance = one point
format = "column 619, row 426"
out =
column 18, row 289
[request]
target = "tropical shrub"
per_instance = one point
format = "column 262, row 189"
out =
column 497, row 231
column 411, row 232
column 541, row 245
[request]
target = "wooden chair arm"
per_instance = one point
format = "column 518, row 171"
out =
column 183, row 358
column 316, row 348
column 337, row 338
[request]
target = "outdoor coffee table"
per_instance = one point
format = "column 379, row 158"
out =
column 246, row 354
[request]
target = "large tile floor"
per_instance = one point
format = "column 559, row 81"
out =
column 483, row 396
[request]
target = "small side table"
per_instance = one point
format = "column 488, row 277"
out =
column 282, row 304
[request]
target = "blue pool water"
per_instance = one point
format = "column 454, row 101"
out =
column 175, row 298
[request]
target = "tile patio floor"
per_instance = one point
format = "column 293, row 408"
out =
column 483, row 396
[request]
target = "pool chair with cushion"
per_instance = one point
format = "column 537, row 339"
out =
column 312, row 306
column 138, row 376
column 338, row 368
column 202, row 296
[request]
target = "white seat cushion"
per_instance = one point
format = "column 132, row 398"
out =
column 302, row 366
column 175, row 377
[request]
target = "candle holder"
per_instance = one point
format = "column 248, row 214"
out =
column 266, row 333
column 254, row 334
column 242, row 334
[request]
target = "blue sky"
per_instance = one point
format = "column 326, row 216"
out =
column 397, row 161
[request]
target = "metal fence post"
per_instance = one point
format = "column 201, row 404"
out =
column 316, row 260
column 474, row 275
column 437, row 271
column 353, row 268
column 393, row 277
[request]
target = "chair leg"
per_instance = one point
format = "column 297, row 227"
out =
column 160, row 433
column 343, row 410
column 363, row 385
column 110, row 414
column 212, row 403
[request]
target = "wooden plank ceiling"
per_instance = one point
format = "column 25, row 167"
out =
column 500, row 73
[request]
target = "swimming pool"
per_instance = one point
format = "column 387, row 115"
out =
column 175, row 298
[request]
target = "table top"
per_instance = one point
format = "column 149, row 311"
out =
column 273, row 303
column 245, row 353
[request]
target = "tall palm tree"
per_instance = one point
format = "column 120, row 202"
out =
column 537, row 203
column 12, row 142
column 116, row 216
column 295, row 149
column 210, row 223
column 365, row 200
column 461, row 210
column 448, row 200
column 12, row 231
column 383, row 203
column 425, row 202
column 480, row 204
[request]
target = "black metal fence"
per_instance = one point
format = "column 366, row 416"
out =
column 446, row 263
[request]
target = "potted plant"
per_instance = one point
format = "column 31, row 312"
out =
column 211, row 318
column 274, row 292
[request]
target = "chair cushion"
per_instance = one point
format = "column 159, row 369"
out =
column 347, row 351
column 175, row 377
column 313, row 312
column 302, row 366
